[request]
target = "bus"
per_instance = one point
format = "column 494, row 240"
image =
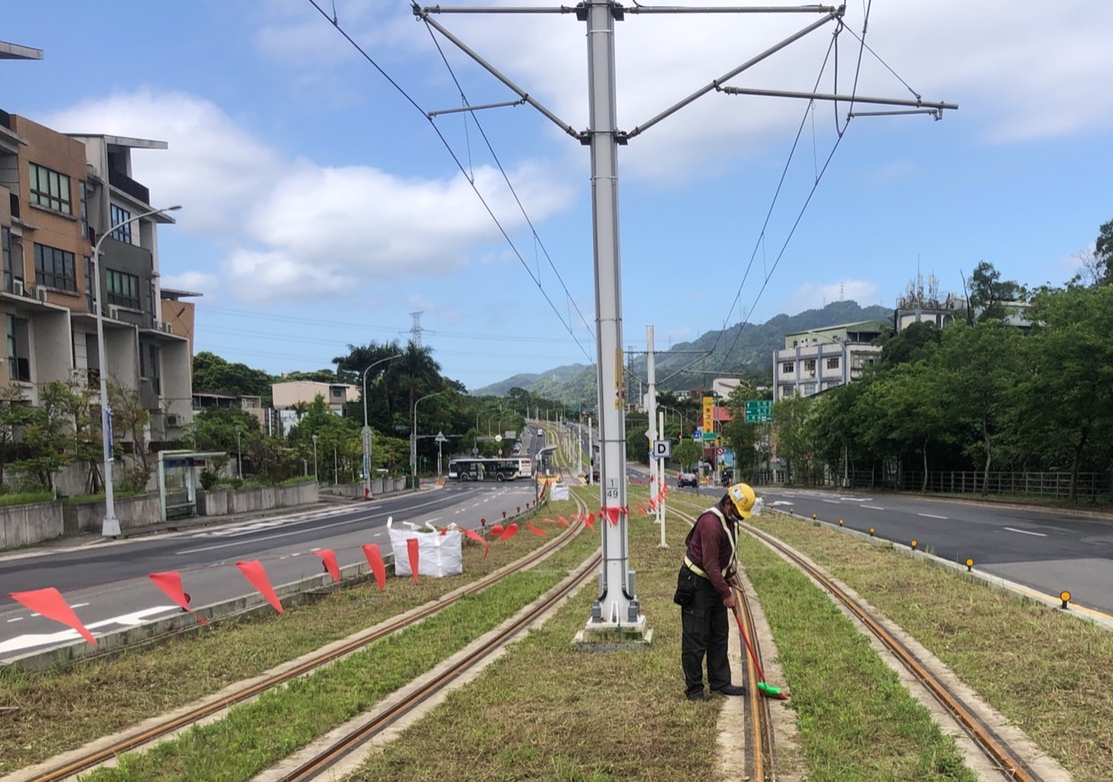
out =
column 464, row 468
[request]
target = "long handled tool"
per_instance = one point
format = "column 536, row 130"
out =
column 763, row 687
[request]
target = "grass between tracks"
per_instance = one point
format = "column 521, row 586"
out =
column 1047, row 673
column 45, row 713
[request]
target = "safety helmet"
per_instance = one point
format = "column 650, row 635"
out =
column 743, row 497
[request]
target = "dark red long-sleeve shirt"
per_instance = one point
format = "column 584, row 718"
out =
column 711, row 550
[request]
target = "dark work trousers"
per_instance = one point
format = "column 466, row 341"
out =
column 705, row 633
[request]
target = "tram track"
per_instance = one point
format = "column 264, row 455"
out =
column 997, row 749
column 82, row 761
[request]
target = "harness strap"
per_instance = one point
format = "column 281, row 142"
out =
column 733, row 546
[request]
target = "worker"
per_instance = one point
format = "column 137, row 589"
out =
column 704, row 595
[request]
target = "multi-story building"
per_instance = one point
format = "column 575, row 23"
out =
column 819, row 359
column 59, row 194
column 293, row 393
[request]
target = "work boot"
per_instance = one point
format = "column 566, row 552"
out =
column 732, row 689
column 697, row 696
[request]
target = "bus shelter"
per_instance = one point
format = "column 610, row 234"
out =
column 179, row 475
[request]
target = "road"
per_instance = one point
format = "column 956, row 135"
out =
column 1046, row 550
column 107, row 583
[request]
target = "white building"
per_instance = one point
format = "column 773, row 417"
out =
column 818, row 359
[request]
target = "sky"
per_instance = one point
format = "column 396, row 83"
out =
column 322, row 207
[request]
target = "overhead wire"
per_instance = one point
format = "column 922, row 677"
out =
column 533, row 230
column 336, row 24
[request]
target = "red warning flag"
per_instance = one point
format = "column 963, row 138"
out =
column 496, row 529
column 253, row 571
column 476, row 536
column 589, row 520
column 510, row 531
column 563, row 522
column 412, row 552
column 537, row 531
column 611, row 514
column 375, row 560
column 50, row 603
column 329, row 556
column 171, row 584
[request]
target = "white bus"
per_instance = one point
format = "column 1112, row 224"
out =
column 467, row 468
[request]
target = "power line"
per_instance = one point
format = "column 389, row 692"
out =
column 335, row 23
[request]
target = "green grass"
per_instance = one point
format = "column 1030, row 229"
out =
column 25, row 498
column 1049, row 674
column 57, row 710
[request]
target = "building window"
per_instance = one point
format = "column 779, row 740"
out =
column 788, row 367
column 119, row 217
column 50, row 189
column 83, row 189
column 833, row 363
column 6, row 245
column 123, row 289
column 19, row 366
column 54, row 268
column 89, row 283
column 809, row 365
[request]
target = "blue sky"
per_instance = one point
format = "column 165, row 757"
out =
column 320, row 207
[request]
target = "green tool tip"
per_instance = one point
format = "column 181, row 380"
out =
column 771, row 691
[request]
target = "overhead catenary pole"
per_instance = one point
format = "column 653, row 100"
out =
column 367, row 429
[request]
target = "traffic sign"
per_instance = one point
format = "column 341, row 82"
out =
column 719, row 451
column 758, row 411
column 662, row 449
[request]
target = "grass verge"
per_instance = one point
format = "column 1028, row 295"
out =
column 1049, row 674
column 49, row 712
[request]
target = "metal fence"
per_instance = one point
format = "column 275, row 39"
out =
column 1091, row 487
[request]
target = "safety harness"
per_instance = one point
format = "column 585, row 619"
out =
column 733, row 545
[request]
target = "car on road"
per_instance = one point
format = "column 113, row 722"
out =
column 687, row 479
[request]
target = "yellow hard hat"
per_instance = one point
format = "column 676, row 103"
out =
column 743, row 497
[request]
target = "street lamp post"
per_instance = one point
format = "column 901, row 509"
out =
column 315, row 458
column 367, row 429
column 111, row 526
column 413, row 434
column 239, row 456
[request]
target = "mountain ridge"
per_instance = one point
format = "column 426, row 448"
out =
column 743, row 349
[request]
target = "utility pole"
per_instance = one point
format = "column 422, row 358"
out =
column 617, row 604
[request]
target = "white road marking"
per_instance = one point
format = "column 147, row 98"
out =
column 17, row 619
column 832, row 502
column 873, row 507
column 38, row 639
column 1027, row 532
column 931, row 516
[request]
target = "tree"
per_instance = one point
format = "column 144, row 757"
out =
column 13, row 412
column 131, row 418
column 1103, row 252
column 988, row 294
column 1067, row 388
column 981, row 365
column 213, row 375
column 47, row 439
column 688, row 452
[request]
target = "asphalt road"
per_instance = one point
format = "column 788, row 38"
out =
column 107, row 583
column 1045, row 550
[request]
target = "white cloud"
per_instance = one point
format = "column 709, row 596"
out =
column 293, row 227
column 812, row 295
column 196, row 282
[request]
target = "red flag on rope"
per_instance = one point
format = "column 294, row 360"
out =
column 253, row 571
column 510, row 531
column 412, row 552
column 537, row 531
column 329, row 557
column 171, row 584
column 476, row 536
column 50, row 603
column 375, row 560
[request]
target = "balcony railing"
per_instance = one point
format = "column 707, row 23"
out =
column 129, row 186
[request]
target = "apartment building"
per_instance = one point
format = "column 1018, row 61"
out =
column 818, row 359
column 59, row 194
column 293, row 393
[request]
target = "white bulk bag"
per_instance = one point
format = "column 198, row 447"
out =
column 438, row 555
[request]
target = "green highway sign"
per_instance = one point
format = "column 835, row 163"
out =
column 759, row 411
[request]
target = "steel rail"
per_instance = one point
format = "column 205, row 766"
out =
column 760, row 758
column 351, row 741
column 991, row 744
column 155, row 732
